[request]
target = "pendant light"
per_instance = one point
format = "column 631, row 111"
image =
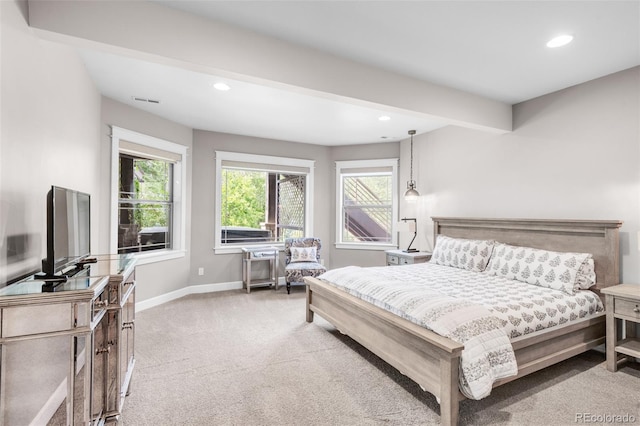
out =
column 411, row 194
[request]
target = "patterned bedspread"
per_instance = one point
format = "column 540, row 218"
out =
column 475, row 309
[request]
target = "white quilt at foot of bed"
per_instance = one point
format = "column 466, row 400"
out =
column 488, row 355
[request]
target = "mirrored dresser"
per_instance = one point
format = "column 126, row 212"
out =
column 67, row 352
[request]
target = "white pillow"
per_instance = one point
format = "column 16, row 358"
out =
column 544, row 268
column 472, row 255
column 303, row 254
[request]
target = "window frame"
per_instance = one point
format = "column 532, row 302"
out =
column 263, row 160
column 178, row 223
column 366, row 165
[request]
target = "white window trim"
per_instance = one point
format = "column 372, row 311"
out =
column 356, row 164
column 221, row 156
column 179, row 193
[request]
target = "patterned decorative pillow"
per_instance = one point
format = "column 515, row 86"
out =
column 586, row 276
column 303, row 254
column 472, row 255
column 544, row 268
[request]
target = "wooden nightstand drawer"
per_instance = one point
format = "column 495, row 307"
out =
column 399, row 257
column 627, row 308
column 392, row 259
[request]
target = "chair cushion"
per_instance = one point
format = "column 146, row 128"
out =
column 295, row 272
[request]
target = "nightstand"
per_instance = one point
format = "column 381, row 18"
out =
column 399, row 257
column 622, row 303
column 255, row 254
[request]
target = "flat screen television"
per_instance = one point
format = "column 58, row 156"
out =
column 68, row 231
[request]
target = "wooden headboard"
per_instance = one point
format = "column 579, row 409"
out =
column 598, row 237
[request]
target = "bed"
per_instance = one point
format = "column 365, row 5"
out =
column 433, row 361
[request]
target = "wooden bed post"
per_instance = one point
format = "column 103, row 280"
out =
column 309, row 311
column 612, row 239
column 449, row 401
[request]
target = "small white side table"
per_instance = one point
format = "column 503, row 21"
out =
column 257, row 254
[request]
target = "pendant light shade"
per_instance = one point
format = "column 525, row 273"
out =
column 412, row 193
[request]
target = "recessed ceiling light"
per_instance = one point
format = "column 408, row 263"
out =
column 221, row 86
column 560, row 40
column 384, row 118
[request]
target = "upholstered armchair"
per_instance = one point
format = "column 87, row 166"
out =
column 302, row 259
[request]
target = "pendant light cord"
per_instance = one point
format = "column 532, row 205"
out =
column 411, row 172
column 411, row 132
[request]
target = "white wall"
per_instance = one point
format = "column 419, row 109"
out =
column 49, row 134
column 54, row 130
column 50, row 126
column 573, row 154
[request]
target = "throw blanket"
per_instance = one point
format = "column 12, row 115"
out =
column 487, row 355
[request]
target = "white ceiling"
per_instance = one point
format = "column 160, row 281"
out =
column 495, row 49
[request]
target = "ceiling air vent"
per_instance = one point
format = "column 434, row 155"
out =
column 150, row 101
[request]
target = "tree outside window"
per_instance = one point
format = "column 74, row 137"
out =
column 259, row 206
column 145, row 204
column 148, row 188
column 261, row 199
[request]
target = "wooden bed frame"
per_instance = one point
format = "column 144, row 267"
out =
column 432, row 360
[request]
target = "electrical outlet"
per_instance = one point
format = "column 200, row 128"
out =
column 200, row 271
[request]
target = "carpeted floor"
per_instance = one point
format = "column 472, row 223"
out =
column 232, row 358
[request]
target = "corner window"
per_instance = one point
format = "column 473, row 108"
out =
column 148, row 176
column 367, row 204
column 261, row 200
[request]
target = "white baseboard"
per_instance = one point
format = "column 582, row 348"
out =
column 192, row 289
column 185, row 291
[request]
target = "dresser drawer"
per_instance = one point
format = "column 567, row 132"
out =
column 29, row 320
column 627, row 308
column 120, row 287
column 405, row 261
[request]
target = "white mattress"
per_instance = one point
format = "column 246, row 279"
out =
column 522, row 308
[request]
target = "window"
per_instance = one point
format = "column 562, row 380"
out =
column 145, row 204
column 367, row 203
column 261, row 200
column 148, row 176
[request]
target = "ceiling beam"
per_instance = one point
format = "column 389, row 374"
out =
column 153, row 32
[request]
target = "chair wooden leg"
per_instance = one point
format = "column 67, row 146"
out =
column 288, row 288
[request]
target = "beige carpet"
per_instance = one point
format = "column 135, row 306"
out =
column 233, row 358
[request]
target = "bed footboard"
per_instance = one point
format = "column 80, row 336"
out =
column 432, row 361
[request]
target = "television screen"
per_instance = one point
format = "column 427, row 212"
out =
column 68, row 229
